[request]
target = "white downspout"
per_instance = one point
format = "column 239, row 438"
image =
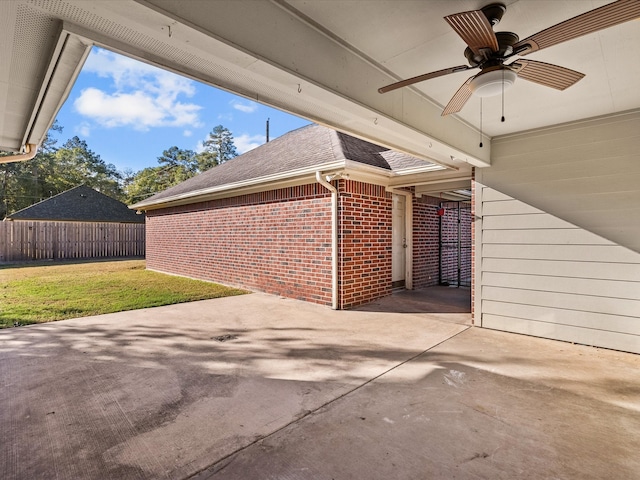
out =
column 408, row 269
column 30, row 151
column 334, row 238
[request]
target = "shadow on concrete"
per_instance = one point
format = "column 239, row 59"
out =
column 454, row 422
column 165, row 392
column 439, row 299
column 262, row 387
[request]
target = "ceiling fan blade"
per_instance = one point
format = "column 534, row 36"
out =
column 474, row 28
column 459, row 99
column 592, row 21
column 546, row 74
column 421, row 78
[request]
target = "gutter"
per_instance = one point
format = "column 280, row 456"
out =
column 334, row 238
column 30, row 151
column 201, row 195
column 366, row 173
column 408, row 261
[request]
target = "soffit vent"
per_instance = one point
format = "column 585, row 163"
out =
column 195, row 66
column 34, row 34
column 26, row 55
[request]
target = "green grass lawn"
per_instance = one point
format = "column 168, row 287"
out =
column 44, row 293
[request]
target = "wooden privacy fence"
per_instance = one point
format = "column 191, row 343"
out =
column 40, row 240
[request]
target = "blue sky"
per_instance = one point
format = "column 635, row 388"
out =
column 129, row 112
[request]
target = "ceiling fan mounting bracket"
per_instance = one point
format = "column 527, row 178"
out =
column 494, row 12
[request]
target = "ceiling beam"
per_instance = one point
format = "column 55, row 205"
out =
column 265, row 51
column 297, row 66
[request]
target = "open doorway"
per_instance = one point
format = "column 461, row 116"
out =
column 454, row 243
column 441, row 257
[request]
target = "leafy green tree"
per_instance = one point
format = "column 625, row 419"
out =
column 145, row 183
column 179, row 164
column 54, row 170
column 23, row 183
column 14, row 191
column 176, row 166
column 75, row 164
column 218, row 148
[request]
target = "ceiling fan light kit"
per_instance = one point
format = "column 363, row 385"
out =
column 489, row 83
column 488, row 50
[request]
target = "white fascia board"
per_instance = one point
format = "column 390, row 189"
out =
column 352, row 170
column 392, row 173
column 431, row 178
column 455, row 188
column 353, row 166
column 64, row 67
column 381, row 176
column 417, row 170
column 260, row 184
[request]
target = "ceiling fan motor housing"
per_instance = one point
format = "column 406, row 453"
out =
column 506, row 40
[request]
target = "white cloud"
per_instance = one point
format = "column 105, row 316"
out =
column 137, row 109
column 187, row 133
column 142, row 97
column 124, row 71
column 248, row 107
column 84, row 129
column 246, row 142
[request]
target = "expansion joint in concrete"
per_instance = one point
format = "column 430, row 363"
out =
column 223, row 462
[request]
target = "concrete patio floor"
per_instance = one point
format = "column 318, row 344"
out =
column 260, row 387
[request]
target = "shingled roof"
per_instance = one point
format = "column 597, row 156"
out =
column 307, row 147
column 79, row 204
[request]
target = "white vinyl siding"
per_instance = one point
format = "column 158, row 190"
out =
column 531, row 285
column 558, row 234
column 587, row 173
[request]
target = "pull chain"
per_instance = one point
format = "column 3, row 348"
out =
column 480, row 122
column 502, row 95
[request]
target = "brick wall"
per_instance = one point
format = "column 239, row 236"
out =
column 277, row 242
column 364, row 242
column 425, row 242
column 428, row 260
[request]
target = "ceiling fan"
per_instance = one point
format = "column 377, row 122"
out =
column 488, row 50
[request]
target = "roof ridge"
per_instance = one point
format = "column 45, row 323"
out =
column 336, row 145
column 45, row 200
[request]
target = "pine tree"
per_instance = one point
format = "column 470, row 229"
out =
column 218, row 148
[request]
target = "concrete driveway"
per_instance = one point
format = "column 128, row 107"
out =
column 260, row 387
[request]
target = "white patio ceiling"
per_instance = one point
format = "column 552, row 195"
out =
column 323, row 60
